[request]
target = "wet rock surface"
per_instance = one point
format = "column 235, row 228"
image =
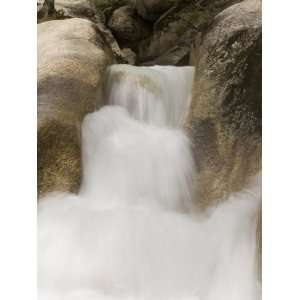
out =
column 225, row 116
column 72, row 59
column 128, row 27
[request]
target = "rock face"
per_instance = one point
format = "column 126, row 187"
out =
column 72, row 59
column 152, row 9
column 70, row 9
column 45, row 10
column 175, row 31
column 225, row 118
column 129, row 56
column 86, row 9
column 160, row 32
column 76, row 8
column 127, row 26
column 106, row 7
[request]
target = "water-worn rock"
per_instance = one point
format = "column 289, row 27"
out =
column 175, row 31
column 86, row 9
column 129, row 56
column 77, row 8
column 127, row 26
column 46, row 10
column 152, row 9
column 72, row 59
column 71, row 9
column 225, row 118
column 106, row 7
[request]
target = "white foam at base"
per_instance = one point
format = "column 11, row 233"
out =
column 128, row 234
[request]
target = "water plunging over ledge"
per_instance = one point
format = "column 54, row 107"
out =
column 156, row 95
column 131, row 232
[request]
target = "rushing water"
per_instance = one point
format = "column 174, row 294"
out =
column 131, row 232
column 156, row 95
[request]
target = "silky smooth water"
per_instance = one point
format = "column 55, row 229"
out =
column 132, row 231
column 157, row 95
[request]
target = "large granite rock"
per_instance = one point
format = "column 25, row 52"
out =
column 65, row 9
column 104, row 4
column 69, row 9
column 175, row 31
column 225, row 117
column 76, row 8
column 72, row 59
column 128, row 27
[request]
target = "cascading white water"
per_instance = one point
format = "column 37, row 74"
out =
column 156, row 95
column 131, row 232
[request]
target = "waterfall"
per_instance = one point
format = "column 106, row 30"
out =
column 132, row 232
column 155, row 95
